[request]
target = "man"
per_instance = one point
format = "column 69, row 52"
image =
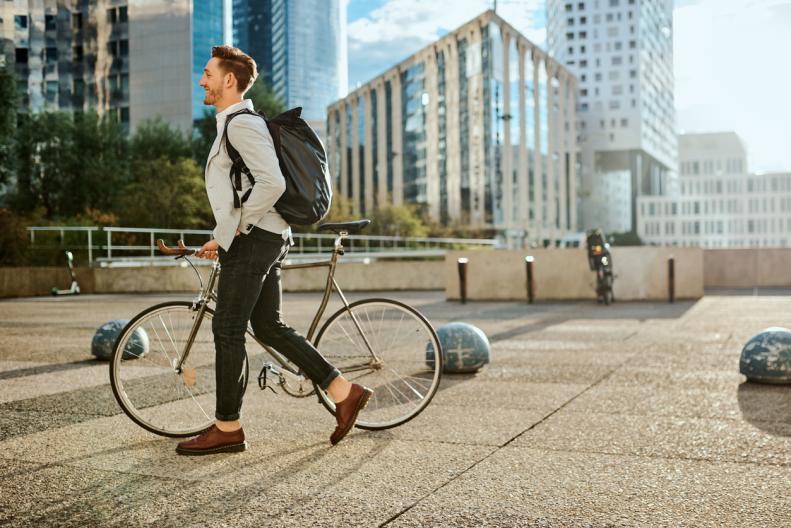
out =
column 251, row 242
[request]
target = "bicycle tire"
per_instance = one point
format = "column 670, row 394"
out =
column 119, row 385
column 365, row 420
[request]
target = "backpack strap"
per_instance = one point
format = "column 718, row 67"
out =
column 238, row 166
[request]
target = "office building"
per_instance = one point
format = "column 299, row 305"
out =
column 477, row 127
column 299, row 47
column 621, row 51
column 720, row 204
column 136, row 59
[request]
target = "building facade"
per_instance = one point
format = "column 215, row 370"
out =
column 720, row 204
column 622, row 53
column 477, row 127
column 299, row 47
column 135, row 59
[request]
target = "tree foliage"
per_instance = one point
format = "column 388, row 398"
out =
column 265, row 100
column 8, row 103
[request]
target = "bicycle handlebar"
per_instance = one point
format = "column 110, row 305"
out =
column 182, row 249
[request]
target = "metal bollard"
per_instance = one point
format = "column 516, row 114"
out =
column 530, row 285
column 462, row 263
column 671, row 279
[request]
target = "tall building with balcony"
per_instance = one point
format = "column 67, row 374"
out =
column 300, row 48
column 720, row 204
column 622, row 53
column 135, row 59
column 477, row 127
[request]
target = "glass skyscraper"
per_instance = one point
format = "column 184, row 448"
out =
column 477, row 128
column 299, row 48
column 207, row 32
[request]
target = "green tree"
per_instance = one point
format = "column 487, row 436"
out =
column 44, row 146
column 8, row 101
column 627, row 238
column 98, row 164
column 166, row 193
column 156, row 139
column 397, row 220
column 265, row 100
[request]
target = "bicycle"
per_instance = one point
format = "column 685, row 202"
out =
column 162, row 366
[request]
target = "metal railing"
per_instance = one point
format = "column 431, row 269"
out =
column 306, row 245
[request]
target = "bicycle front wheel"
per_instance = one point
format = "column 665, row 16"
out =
column 143, row 371
column 389, row 347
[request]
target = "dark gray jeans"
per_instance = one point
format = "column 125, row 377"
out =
column 249, row 290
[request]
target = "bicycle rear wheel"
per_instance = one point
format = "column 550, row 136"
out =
column 389, row 347
column 145, row 382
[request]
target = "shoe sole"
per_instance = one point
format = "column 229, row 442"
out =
column 234, row 448
column 360, row 406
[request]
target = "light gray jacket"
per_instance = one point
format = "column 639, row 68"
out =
column 250, row 136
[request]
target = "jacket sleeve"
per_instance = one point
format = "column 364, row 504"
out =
column 250, row 136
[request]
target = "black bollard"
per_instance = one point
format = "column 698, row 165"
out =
column 462, row 262
column 530, row 285
column 671, row 279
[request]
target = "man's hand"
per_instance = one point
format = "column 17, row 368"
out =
column 208, row 250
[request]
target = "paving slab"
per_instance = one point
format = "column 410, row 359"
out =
column 532, row 487
column 659, row 436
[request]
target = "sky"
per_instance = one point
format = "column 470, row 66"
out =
column 731, row 62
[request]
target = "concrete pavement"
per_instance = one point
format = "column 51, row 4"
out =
column 633, row 414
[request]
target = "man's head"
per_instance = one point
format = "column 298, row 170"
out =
column 227, row 76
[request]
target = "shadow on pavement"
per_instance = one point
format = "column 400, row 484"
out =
column 44, row 369
column 767, row 407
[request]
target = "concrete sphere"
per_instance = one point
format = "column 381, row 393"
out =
column 465, row 348
column 105, row 337
column 767, row 356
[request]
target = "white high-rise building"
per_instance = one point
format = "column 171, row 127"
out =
column 720, row 205
column 622, row 53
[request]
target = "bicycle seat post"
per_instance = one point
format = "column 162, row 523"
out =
column 338, row 241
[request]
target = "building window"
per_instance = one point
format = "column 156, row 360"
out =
column 571, row 50
column 612, row 31
column 569, row 7
column 52, row 91
column 583, row 20
column 583, row 34
column 52, row 55
column 570, row 21
column 632, row 44
column 609, row 17
column 618, row 46
column 112, row 48
column 49, row 23
column 123, row 47
column 617, row 61
column 613, row 3
column 581, row 6
column 112, row 15
column 123, row 16
column 615, row 105
column 597, row 76
column 21, row 56
column 569, row 36
column 76, row 21
column 76, row 54
column 20, row 22
column 583, row 63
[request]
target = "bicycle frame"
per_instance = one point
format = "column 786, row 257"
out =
column 208, row 294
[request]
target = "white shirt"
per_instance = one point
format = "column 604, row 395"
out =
column 251, row 138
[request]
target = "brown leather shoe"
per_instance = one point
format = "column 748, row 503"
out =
column 346, row 411
column 213, row 441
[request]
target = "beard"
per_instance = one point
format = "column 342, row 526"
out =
column 211, row 97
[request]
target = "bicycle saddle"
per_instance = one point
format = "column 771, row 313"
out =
column 350, row 227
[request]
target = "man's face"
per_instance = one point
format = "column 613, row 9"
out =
column 213, row 82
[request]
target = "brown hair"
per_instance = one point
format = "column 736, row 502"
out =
column 233, row 60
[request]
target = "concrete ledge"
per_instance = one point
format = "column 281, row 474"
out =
column 387, row 275
column 747, row 268
column 563, row 274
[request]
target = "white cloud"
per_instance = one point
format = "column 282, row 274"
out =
column 731, row 74
column 399, row 28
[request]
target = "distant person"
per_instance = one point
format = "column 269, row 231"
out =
column 251, row 240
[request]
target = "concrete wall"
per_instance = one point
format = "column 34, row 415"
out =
column 563, row 274
column 403, row 275
column 747, row 268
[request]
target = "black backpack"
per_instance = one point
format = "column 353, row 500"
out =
column 303, row 163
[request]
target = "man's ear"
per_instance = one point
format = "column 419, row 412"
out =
column 230, row 80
